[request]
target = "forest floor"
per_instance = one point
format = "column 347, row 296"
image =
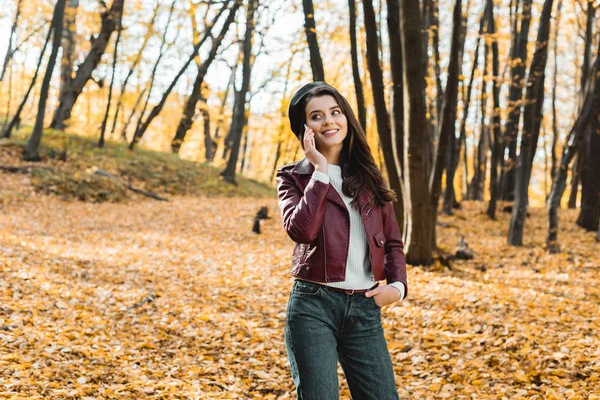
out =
column 179, row 299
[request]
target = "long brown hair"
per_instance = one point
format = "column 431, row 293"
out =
column 359, row 171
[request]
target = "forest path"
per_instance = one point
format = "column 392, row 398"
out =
column 181, row 300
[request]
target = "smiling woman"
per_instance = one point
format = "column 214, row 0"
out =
column 335, row 205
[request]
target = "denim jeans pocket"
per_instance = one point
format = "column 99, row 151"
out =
column 305, row 288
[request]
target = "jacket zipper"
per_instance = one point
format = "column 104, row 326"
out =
column 324, row 251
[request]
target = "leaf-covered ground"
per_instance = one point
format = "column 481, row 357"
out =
column 147, row 299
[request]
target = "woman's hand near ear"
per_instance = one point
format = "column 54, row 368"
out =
column 310, row 150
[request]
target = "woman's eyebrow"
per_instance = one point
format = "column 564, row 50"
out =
column 314, row 111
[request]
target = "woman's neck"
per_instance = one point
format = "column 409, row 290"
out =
column 332, row 156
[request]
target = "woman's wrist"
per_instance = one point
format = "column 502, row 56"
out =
column 321, row 168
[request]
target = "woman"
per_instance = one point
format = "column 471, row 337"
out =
column 336, row 208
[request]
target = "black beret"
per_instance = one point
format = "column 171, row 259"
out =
column 295, row 111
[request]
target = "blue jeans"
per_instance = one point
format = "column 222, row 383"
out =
column 324, row 326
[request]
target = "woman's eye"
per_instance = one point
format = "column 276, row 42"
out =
column 335, row 112
column 315, row 117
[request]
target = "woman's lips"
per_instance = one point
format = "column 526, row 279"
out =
column 329, row 132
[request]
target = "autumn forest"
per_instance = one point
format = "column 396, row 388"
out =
column 141, row 248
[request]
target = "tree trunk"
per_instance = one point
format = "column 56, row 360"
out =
column 210, row 146
column 16, row 119
column 517, row 80
column 112, row 81
column 449, row 110
column 10, row 51
column 358, row 87
column 161, row 53
column 282, row 113
column 496, row 129
column 590, row 107
column 462, row 137
column 448, row 116
column 110, row 21
column 439, row 100
column 532, row 118
column 68, row 54
column 132, row 114
column 576, row 174
column 316, row 62
column 33, row 144
column 590, row 179
column 476, row 186
column 397, row 126
column 239, row 117
column 187, row 119
column 133, row 66
column 421, row 226
column 555, row 132
column 389, row 144
column 139, row 132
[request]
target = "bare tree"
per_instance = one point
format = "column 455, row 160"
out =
column 580, row 158
column 589, row 108
column 143, row 126
column 239, row 118
column 187, row 118
column 495, row 128
column 134, row 64
column 112, row 80
column 358, row 87
column 448, row 116
column 316, row 62
column 518, row 62
column 68, row 53
column 10, row 51
column 110, row 21
column 532, row 118
column 419, row 245
column 31, row 149
column 16, row 119
column 390, row 145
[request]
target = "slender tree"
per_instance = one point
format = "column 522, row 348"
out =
column 495, row 126
column 517, row 80
column 448, row 116
column 555, row 132
column 133, row 66
column 31, row 149
column 388, row 143
column 10, row 51
column 316, row 62
column 143, row 126
column 358, row 87
column 397, row 125
column 532, row 118
column 239, row 117
column 187, row 118
column 112, row 81
column 16, row 119
column 68, row 53
column 421, row 225
column 110, row 21
column 589, row 108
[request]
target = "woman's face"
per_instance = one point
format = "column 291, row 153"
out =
column 324, row 116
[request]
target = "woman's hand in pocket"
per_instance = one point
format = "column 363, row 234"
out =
column 384, row 295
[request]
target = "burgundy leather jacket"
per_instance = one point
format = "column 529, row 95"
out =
column 316, row 218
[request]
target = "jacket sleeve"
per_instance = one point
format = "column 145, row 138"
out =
column 301, row 213
column 395, row 262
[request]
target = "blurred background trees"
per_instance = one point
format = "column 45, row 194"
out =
column 493, row 101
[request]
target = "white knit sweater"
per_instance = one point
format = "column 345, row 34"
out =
column 358, row 265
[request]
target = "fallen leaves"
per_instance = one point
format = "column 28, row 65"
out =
column 181, row 300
